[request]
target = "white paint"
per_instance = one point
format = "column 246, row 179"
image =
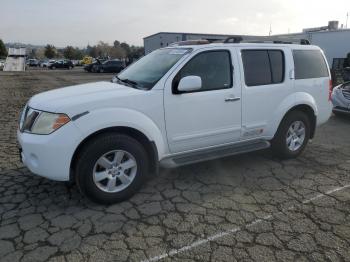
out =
column 236, row 229
column 176, row 123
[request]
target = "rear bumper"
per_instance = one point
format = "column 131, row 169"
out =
column 50, row 155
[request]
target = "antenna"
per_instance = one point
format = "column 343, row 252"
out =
column 347, row 17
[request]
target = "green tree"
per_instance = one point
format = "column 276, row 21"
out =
column 3, row 50
column 116, row 43
column 126, row 48
column 50, row 51
column 93, row 52
column 78, row 54
column 69, row 52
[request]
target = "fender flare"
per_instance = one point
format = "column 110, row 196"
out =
column 290, row 102
column 122, row 117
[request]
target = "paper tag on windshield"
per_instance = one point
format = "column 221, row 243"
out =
column 178, row 52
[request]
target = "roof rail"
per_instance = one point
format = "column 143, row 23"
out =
column 233, row 39
column 191, row 42
column 266, row 39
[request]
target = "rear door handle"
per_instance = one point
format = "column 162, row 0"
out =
column 232, row 99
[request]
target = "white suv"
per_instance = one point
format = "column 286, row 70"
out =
column 176, row 106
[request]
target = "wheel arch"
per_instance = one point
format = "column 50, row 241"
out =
column 149, row 146
column 309, row 111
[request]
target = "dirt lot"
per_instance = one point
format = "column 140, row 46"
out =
column 248, row 208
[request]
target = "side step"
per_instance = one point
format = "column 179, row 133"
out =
column 213, row 153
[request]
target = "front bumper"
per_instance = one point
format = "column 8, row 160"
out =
column 343, row 110
column 50, row 156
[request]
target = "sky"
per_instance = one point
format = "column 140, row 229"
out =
column 82, row 22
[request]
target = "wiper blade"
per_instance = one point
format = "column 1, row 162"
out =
column 129, row 81
column 133, row 83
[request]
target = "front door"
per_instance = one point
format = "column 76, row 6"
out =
column 209, row 116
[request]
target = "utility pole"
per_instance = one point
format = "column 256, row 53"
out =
column 270, row 32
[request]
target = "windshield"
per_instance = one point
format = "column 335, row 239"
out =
column 146, row 72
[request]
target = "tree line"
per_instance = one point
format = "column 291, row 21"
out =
column 101, row 50
column 3, row 50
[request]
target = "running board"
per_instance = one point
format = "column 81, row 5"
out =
column 213, row 153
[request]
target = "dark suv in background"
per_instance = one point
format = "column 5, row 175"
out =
column 92, row 66
column 61, row 64
column 109, row 66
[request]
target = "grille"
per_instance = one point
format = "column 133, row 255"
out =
column 346, row 93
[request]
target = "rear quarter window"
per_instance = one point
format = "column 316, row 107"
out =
column 309, row 64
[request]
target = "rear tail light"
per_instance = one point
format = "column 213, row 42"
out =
column 330, row 90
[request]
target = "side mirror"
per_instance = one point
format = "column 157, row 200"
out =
column 190, row 83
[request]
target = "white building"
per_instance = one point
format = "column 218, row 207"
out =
column 335, row 42
column 16, row 60
column 163, row 39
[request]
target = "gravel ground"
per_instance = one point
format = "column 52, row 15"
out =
column 251, row 207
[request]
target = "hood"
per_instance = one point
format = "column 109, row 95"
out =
column 73, row 99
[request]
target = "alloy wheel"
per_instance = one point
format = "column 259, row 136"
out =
column 114, row 171
column 295, row 135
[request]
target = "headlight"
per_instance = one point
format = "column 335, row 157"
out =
column 41, row 123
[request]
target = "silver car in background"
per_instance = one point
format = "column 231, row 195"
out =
column 341, row 98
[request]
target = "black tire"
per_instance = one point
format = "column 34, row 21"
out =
column 279, row 142
column 96, row 148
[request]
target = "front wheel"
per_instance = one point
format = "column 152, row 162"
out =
column 292, row 135
column 111, row 168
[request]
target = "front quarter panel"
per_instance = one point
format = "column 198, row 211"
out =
column 121, row 117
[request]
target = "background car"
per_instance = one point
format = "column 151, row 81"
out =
column 61, row 64
column 77, row 62
column 90, row 67
column 33, row 62
column 46, row 63
column 110, row 66
column 341, row 99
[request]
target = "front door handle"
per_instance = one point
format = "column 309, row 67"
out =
column 232, row 99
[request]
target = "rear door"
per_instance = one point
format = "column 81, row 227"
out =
column 265, row 84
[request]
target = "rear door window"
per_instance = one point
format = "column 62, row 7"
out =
column 263, row 67
column 309, row 64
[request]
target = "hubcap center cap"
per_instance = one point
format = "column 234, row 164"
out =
column 114, row 171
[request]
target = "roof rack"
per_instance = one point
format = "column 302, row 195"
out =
column 235, row 39
column 191, row 42
column 266, row 39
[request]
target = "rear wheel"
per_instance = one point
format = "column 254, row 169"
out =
column 111, row 168
column 292, row 135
